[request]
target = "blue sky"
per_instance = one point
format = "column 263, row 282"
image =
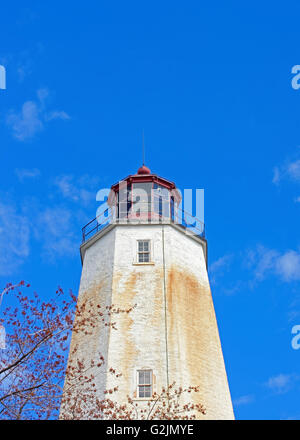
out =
column 211, row 87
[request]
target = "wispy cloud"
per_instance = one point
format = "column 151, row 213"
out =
column 244, row 400
column 289, row 170
column 51, row 228
column 294, row 308
column 14, row 239
column 55, row 230
column 285, row 265
column 57, row 115
column 26, row 123
column 32, row 117
column 21, row 64
column 261, row 260
column 293, row 170
column 276, row 176
column 217, row 271
column 82, row 189
column 281, row 383
column 288, row 266
column 23, row 173
column 255, row 265
column 219, row 266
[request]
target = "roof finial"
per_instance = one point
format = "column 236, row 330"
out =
column 143, row 169
column 143, row 147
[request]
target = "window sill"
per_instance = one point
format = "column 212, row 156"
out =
column 149, row 263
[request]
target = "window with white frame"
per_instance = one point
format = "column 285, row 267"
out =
column 143, row 251
column 144, row 383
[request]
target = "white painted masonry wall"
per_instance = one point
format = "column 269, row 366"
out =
column 172, row 330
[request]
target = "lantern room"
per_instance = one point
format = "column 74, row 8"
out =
column 145, row 197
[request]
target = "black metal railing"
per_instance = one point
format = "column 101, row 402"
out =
column 108, row 216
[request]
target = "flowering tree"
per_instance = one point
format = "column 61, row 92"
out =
column 32, row 364
column 34, row 357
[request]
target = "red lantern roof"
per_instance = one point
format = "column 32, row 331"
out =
column 144, row 175
column 144, row 170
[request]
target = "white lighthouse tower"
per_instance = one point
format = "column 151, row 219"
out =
column 144, row 255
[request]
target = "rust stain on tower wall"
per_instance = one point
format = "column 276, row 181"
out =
column 192, row 329
column 158, row 299
column 124, row 291
column 88, row 302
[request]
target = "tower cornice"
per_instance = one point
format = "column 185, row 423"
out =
column 189, row 234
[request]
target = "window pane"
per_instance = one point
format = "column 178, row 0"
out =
column 143, row 251
column 147, row 391
column 123, row 209
column 141, row 378
column 124, row 193
column 141, row 196
column 141, row 392
column 145, row 383
column 142, row 191
column 161, row 200
column 147, row 377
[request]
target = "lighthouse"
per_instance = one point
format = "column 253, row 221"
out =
column 142, row 253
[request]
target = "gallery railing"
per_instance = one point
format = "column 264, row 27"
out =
column 177, row 216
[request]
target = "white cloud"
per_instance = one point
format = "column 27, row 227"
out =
column 66, row 187
column 23, row 173
column 281, row 383
column 276, row 176
column 57, row 115
column 218, row 269
column 290, row 170
column 32, row 117
column 26, row 123
column 243, row 400
column 23, row 71
column 288, row 266
column 14, row 239
column 82, row 189
column 265, row 261
column 55, row 231
column 220, row 264
column 293, row 170
column 42, row 95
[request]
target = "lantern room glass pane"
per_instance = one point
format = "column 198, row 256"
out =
column 161, row 198
column 141, row 197
column 124, row 200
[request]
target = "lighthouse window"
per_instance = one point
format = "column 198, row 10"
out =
column 145, row 383
column 143, row 251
